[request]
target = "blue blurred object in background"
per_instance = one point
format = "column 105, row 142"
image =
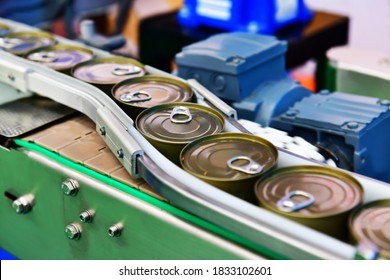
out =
column 37, row 13
column 4, row 255
column 255, row 16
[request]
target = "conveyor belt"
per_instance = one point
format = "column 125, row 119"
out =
column 140, row 159
column 77, row 140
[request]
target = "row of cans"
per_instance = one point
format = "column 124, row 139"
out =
column 192, row 136
column 323, row 198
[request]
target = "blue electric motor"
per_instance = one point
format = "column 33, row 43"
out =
column 354, row 128
column 248, row 72
column 255, row 16
column 244, row 69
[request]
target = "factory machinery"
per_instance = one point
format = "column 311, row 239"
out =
column 79, row 180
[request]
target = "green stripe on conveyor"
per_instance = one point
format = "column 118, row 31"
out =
column 152, row 200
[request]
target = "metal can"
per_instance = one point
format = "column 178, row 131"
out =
column 169, row 127
column 20, row 43
column 371, row 223
column 105, row 72
column 230, row 161
column 4, row 29
column 316, row 196
column 135, row 95
column 60, row 57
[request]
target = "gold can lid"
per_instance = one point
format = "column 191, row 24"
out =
column 151, row 90
column 108, row 70
column 228, row 157
column 309, row 191
column 60, row 57
column 371, row 222
column 20, row 43
column 179, row 123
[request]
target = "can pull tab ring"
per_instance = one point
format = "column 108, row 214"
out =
column 43, row 57
column 126, row 70
column 9, row 43
column 180, row 114
column 135, row 96
column 286, row 204
column 251, row 167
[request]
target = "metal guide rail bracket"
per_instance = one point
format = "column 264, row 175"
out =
column 15, row 75
column 79, row 96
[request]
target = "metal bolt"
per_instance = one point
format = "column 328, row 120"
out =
column 291, row 113
column 73, row 231
column 87, row 216
column 70, row 187
column 23, row 204
column 115, row 230
column 102, row 130
column 11, row 77
column 352, row 125
column 120, row 153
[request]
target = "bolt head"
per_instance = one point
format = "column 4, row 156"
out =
column 119, row 153
column 69, row 187
column 115, row 230
column 23, row 204
column 352, row 125
column 102, row 130
column 291, row 113
column 18, row 206
column 73, row 232
column 86, row 216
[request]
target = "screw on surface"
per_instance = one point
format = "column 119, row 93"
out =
column 87, row 216
column 70, row 187
column 120, row 153
column 115, row 230
column 73, row 232
column 352, row 125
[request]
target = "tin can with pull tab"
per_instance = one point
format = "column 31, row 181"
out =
column 230, row 161
column 60, row 57
column 105, row 72
column 137, row 94
column 20, row 43
column 169, row 127
column 370, row 223
column 316, row 196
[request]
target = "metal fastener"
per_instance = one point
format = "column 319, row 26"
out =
column 115, row 230
column 352, row 125
column 70, row 187
column 11, row 77
column 87, row 216
column 102, row 130
column 291, row 113
column 119, row 153
column 23, row 204
column 73, row 231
